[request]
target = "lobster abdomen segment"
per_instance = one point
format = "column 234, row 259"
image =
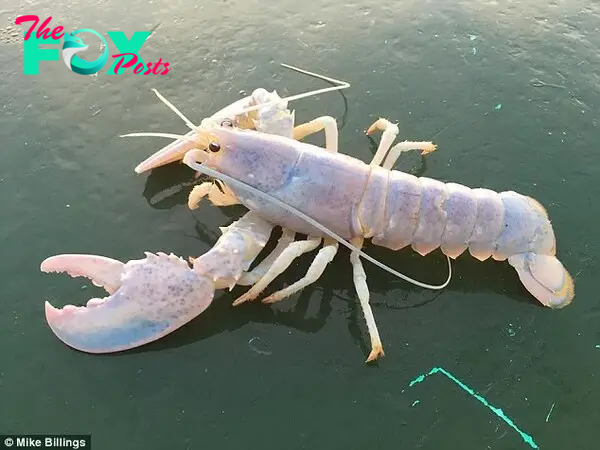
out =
column 462, row 213
column 395, row 228
column 432, row 216
column 488, row 223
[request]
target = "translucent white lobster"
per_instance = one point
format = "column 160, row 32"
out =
column 328, row 195
column 151, row 297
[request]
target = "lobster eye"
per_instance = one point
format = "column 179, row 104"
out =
column 227, row 123
column 214, row 147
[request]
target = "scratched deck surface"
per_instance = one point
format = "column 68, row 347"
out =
column 292, row 375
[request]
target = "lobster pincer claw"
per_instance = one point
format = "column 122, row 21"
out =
column 149, row 298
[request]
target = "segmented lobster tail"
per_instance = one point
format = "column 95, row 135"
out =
column 428, row 214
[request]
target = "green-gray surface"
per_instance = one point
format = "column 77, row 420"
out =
column 463, row 73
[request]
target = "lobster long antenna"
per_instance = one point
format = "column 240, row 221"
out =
column 190, row 161
column 340, row 85
column 317, row 75
column 165, row 135
column 187, row 121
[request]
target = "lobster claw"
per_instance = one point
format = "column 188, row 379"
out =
column 149, row 298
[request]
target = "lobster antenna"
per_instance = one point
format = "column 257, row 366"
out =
column 175, row 110
column 316, row 75
column 165, row 135
column 340, row 85
column 189, row 160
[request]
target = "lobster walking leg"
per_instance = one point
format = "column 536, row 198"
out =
column 215, row 195
column 252, row 277
column 316, row 269
column 327, row 124
column 362, row 290
column 390, row 131
column 283, row 261
column 426, row 147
